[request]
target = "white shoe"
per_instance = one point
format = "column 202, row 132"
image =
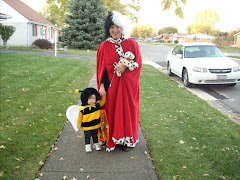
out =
column 97, row 146
column 88, row 148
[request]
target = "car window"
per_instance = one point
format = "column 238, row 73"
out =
column 180, row 50
column 202, row 51
column 175, row 50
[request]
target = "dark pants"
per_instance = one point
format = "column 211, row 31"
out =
column 91, row 133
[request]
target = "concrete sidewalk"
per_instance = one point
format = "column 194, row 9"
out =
column 69, row 160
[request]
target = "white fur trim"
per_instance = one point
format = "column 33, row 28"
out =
column 122, row 22
column 110, row 149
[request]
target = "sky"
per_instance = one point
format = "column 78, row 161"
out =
column 151, row 13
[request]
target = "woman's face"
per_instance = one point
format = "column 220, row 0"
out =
column 115, row 31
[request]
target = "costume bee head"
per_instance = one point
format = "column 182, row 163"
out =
column 86, row 93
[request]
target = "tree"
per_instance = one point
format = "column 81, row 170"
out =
column 178, row 11
column 85, row 24
column 6, row 32
column 129, row 8
column 168, row 30
column 143, row 31
column 231, row 33
column 56, row 10
column 204, row 23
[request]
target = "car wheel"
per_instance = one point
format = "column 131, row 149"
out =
column 169, row 72
column 185, row 79
column 232, row 84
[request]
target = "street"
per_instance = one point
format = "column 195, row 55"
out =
column 225, row 98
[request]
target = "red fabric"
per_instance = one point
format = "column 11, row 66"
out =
column 122, row 103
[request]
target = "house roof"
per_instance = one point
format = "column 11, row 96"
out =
column 200, row 35
column 26, row 11
column 237, row 34
column 181, row 34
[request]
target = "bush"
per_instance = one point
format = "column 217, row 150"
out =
column 176, row 41
column 43, row 44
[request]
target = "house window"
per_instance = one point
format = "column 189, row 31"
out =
column 45, row 32
column 34, row 29
column 41, row 30
column 208, row 39
column 49, row 33
column 181, row 39
column 52, row 32
column 198, row 39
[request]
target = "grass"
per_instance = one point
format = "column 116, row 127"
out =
column 188, row 138
column 236, row 57
column 35, row 93
column 228, row 49
column 70, row 51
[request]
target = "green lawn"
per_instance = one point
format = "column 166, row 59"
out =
column 35, row 93
column 70, row 51
column 187, row 138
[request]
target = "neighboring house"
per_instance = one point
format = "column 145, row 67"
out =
column 236, row 40
column 29, row 24
column 179, row 37
column 196, row 38
column 167, row 38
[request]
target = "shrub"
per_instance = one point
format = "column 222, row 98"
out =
column 176, row 41
column 6, row 32
column 43, row 44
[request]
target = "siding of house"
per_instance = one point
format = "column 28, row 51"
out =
column 19, row 37
column 29, row 25
column 238, row 41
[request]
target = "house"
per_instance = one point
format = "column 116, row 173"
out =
column 179, row 37
column 167, row 38
column 194, row 38
column 29, row 24
column 237, row 40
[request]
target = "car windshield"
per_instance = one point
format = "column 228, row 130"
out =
column 202, row 51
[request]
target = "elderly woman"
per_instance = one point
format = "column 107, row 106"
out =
column 118, row 71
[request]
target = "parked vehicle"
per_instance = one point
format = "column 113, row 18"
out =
column 202, row 63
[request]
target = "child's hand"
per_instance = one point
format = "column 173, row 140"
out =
column 102, row 90
column 78, row 126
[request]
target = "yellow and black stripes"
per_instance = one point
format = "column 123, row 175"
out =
column 89, row 115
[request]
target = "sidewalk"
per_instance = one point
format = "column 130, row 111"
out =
column 69, row 159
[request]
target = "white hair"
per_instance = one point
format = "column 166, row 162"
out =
column 122, row 22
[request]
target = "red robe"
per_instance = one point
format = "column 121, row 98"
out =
column 122, row 102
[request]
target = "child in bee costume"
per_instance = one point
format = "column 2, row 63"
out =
column 89, row 116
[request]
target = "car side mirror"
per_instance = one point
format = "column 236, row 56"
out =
column 179, row 56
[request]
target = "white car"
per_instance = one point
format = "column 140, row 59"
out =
column 202, row 63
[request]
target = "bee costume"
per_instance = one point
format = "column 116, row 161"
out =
column 89, row 115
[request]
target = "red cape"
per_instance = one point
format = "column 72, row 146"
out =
column 122, row 104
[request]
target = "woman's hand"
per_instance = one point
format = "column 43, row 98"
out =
column 102, row 90
column 120, row 68
column 78, row 126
